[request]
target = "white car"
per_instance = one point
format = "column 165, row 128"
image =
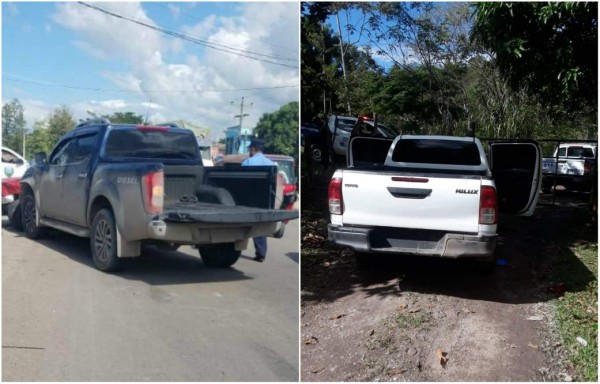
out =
column 13, row 164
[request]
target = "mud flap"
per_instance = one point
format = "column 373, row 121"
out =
column 127, row 248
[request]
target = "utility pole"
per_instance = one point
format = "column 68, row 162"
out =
column 24, row 142
column 241, row 116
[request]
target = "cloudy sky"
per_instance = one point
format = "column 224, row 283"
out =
column 57, row 54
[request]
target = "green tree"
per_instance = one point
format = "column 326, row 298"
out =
column 13, row 125
column 38, row 140
column 279, row 130
column 550, row 48
column 321, row 73
column 59, row 122
column 125, row 118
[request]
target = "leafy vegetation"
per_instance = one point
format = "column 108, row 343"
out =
column 279, row 130
column 13, row 125
column 577, row 310
column 446, row 68
column 47, row 132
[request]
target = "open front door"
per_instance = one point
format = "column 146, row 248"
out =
column 367, row 151
column 516, row 167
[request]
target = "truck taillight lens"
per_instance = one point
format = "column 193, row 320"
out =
column 336, row 202
column 488, row 206
column 154, row 192
column 586, row 167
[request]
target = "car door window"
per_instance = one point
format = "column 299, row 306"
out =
column 83, row 148
column 62, row 153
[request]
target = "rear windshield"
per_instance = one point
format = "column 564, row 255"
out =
column 150, row 144
column 580, row 152
column 447, row 152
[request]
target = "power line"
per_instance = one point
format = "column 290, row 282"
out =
column 42, row 83
column 211, row 24
column 205, row 43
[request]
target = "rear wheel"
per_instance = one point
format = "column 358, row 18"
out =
column 28, row 216
column 316, row 153
column 219, row 255
column 104, row 241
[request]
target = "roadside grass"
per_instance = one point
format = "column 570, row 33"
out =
column 576, row 311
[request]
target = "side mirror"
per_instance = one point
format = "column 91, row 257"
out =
column 40, row 158
column 20, row 162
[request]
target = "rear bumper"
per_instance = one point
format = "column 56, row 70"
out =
column 452, row 245
column 197, row 233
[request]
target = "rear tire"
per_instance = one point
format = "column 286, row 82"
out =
column 28, row 216
column 219, row 255
column 103, row 241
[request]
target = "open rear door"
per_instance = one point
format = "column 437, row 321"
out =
column 516, row 167
column 367, row 151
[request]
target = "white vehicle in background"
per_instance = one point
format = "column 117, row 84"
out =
column 204, row 145
column 576, row 167
column 13, row 164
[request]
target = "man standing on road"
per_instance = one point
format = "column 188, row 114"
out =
column 257, row 158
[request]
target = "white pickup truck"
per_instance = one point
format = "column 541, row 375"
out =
column 430, row 195
column 576, row 166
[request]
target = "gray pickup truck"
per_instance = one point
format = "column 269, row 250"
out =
column 126, row 186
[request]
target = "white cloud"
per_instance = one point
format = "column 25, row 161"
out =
column 95, row 52
column 147, row 104
column 262, row 27
column 12, row 9
column 174, row 10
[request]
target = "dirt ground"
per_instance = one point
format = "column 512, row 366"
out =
column 400, row 319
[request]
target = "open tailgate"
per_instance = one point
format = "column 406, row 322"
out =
column 223, row 214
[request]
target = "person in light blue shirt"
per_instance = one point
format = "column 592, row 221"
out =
column 257, row 158
column 256, row 155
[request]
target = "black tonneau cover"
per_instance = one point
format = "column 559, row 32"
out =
column 222, row 214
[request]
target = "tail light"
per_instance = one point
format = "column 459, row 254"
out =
column 488, row 206
column 336, row 202
column 289, row 189
column 153, row 184
column 586, row 167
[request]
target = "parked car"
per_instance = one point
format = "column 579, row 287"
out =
column 126, row 185
column 311, row 131
column 13, row 164
column 10, row 192
column 576, row 166
column 430, row 195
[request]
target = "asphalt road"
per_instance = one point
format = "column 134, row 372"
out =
column 165, row 317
